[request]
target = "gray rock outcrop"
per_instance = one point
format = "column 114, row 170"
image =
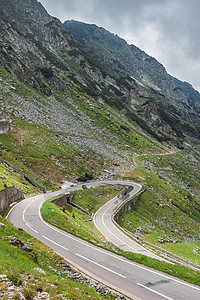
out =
column 8, row 196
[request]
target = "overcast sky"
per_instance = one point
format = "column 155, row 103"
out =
column 168, row 30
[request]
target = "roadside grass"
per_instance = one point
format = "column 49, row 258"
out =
column 73, row 221
column 181, row 272
column 21, row 268
column 93, row 199
column 189, row 250
column 80, row 226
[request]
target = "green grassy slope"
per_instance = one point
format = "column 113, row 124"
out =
column 70, row 125
column 168, row 213
column 43, row 155
column 76, row 223
column 22, row 269
column 39, row 145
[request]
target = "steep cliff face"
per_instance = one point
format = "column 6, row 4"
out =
column 124, row 59
column 189, row 91
column 39, row 50
column 31, row 42
column 146, row 81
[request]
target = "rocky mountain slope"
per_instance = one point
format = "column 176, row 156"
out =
column 99, row 99
column 141, row 82
column 39, row 50
column 59, row 130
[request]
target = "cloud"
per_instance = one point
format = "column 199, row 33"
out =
column 165, row 29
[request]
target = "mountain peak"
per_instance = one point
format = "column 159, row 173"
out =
column 105, row 46
column 40, row 50
column 124, row 60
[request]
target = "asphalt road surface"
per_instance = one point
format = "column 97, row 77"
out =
column 131, row 279
column 103, row 221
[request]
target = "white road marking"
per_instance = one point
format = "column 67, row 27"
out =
column 31, row 227
column 114, row 234
column 112, row 255
column 154, row 291
column 8, row 214
column 100, row 265
column 162, row 275
column 117, row 226
column 133, row 249
column 55, row 243
column 23, row 214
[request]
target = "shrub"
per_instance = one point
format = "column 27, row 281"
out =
column 47, row 72
column 14, row 276
column 29, row 292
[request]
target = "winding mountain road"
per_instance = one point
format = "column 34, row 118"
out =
column 104, row 223
column 133, row 280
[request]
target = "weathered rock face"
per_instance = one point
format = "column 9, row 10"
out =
column 4, row 126
column 142, row 80
column 18, row 243
column 30, row 40
column 8, row 196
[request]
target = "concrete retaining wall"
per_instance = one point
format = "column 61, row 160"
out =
column 126, row 206
column 8, row 196
column 67, row 199
column 63, row 200
column 81, row 209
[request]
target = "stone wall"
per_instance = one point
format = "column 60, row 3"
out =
column 126, row 206
column 4, row 127
column 8, row 196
